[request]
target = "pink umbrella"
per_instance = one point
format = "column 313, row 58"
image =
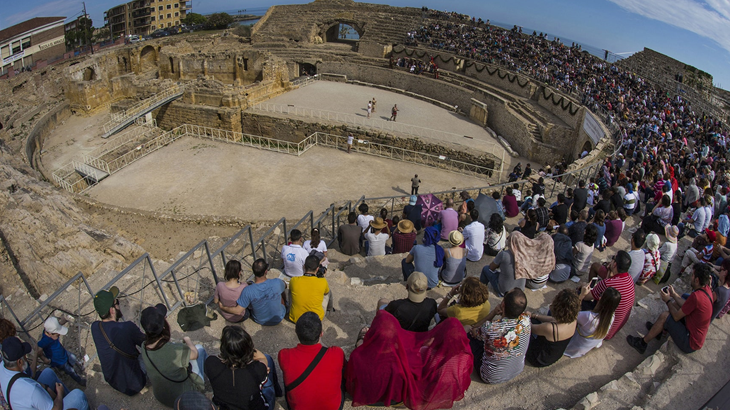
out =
column 432, row 207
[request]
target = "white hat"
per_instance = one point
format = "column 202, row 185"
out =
column 52, row 326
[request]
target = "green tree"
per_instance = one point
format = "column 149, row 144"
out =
column 101, row 34
column 220, row 20
column 192, row 19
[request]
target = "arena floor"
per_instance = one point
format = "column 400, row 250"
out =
column 202, row 177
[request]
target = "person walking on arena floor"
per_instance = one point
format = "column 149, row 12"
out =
column 350, row 139
column 415, row 184
column 370, row 108
column 394, row 112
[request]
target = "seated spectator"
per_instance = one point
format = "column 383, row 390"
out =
column 721, row 292
column 388, row 221
column 472, row 305
column 454, row 269
column 543, row 214
column 617, row 199
column 616, row 276
column 578, row 228
column 569, row 199
column 415, row 312
column 316, row 244
column 528, row 201
column 686, row 321
column 497, row 200
column 563, row 256
column 167, row 363
column 614, row 227
column 499, row 346
column 264, row 297
column 241, row 376
column 474, row 237
column 529, row 226
column 637, row 254
column 120, row 364
column 376, row 237
column 551, row 334
column 581, row 196
column 413, row 212
column 57, row 355
column 422, row 370
column 500, row 273
column 496, row 236
column 666, row 253
column 660, row 217
column 560, row 211
column 583, row 251
column 293, row 256
column 631, row 199
column 721, row 233
column 321, row 387
column 593, row 325
column 509, row 202
column 517, row 194
column 363, row 220
column 404, row 237
column 651, row 258
column 599, row 221
column 190, row 400
column 348, row 236
column 427, row 258
column 464, row 207
column 700, row 251
column 604, row 204
column 310, row 292
column 228, row 292
column 27, row 393
column 449, row 219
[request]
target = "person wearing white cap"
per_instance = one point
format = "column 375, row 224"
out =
column 56, row 354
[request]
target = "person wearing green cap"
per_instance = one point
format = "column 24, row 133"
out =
column 116, row 343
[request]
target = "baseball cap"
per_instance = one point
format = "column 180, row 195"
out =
column 193, row 400
column 14, row 348
column 153, row 319
column 52, row 326
column 417, row 285
column 412, row 200
column 104, row 300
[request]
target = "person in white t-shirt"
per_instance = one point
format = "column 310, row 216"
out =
column 376, row 238
column 350, row 139
column 474, row 237
column 293, row 256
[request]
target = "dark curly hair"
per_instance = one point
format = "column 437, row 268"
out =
column 7, row 329
column 472, row 292
column 565, row 306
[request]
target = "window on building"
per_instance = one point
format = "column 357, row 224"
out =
column 169, row 24
column 26, row 43
column 169, row 16
column 177, row 5
column 5, row 51
column 169, row 6
column 177, row 14
column 16, row 47
column 177, row 22
column 152, row 18
column 161, row 8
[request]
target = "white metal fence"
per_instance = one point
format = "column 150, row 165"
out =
column 144, row 105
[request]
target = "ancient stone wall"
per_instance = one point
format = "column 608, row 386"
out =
column 177, row 113
column 560, row 105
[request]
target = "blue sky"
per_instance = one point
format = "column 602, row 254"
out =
column 696, row 32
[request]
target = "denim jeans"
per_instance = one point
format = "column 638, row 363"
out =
column 75, row 399
column 272, row 384
column 407, row 269
column 198, row 364
column 489, row 276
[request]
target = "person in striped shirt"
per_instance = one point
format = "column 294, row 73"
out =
column 615, row 275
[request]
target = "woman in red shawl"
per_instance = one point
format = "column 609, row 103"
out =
column 424, row 370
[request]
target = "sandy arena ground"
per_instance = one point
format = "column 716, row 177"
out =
column 202, row 177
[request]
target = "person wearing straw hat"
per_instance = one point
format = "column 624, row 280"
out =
column 415, row 312
column 116, row 344
column 404, row 237
column 376, row 238
column 454, row 269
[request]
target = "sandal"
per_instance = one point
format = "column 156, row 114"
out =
column 361, row 336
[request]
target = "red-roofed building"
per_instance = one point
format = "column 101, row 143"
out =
column 24, row 44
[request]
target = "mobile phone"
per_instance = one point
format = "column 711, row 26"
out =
column 593, row 282
column 665, row 289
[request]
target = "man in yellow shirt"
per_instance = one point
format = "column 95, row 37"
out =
column 309, row 293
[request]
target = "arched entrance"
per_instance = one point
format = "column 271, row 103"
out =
column 89, row 74
column 342, row 32
column 587, row 147
column 307, row 69
column 148, row 58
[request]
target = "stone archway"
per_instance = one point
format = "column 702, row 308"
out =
column 89, row 74
column 341, row 31
column 587, row 147
column 148, row 58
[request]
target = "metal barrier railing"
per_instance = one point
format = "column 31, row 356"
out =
column 142, row 106
column 373, row 123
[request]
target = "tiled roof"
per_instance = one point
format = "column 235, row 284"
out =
column 27, row 25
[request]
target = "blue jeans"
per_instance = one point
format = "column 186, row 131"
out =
column 272, row 382
column 197, row 365
column 489, row 276
column 75, row 399
column 407, row 269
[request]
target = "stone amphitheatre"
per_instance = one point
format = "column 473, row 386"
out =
column 148, row 166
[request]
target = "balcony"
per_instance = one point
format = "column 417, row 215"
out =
column 141, row 22
column 141, row 13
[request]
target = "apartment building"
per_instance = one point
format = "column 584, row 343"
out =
column 24, row 44
column 145, row 16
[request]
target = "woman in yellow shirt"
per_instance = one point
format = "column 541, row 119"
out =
column 472, row 305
